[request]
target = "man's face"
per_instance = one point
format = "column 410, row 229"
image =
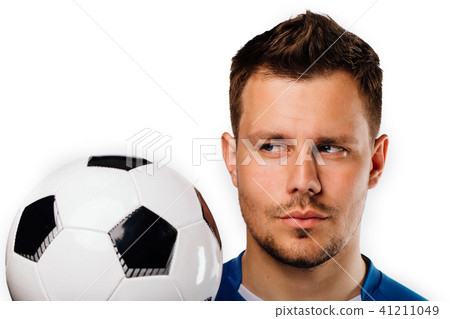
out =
column 325, row 194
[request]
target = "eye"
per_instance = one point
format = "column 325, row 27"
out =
column 330, row 149
column 273, row 147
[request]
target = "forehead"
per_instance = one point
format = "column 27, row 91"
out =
column 328, row 105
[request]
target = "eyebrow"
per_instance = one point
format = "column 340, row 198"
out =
column 341, row 139
column 268, row 135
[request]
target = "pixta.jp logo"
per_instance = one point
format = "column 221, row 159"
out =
column 151, row 145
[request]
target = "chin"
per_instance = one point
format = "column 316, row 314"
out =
column 306, row 254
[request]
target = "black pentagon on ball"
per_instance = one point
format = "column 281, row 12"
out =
column 119, row 162
column 37, row 228
column 144, row 243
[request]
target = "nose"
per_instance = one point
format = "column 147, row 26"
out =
column 304, row 178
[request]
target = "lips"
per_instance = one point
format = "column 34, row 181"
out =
column 305, row 220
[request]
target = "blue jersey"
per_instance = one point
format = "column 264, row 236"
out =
column 377, row 286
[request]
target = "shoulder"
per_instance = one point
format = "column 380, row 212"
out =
column 394, row 291
column 378, row 286
column 233, row 268
column 230, row 281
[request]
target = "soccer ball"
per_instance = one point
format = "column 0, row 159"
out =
column 102, row 228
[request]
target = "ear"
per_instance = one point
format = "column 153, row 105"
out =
column 378, row 159
column 229, row 155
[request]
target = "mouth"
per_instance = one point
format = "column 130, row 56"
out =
column 305, row 220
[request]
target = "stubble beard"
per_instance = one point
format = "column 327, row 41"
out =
column 306, row 259
column 301, row 256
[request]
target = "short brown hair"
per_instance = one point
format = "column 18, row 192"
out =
column 304, row 47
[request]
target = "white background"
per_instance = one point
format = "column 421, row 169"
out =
column 76, row 80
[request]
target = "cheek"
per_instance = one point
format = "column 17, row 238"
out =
column 252, row 171
column 258, row 179
column 346, row 184
column 254, row 180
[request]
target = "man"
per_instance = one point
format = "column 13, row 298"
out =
column 305, row 102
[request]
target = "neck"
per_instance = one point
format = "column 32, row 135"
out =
column 339, row 278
